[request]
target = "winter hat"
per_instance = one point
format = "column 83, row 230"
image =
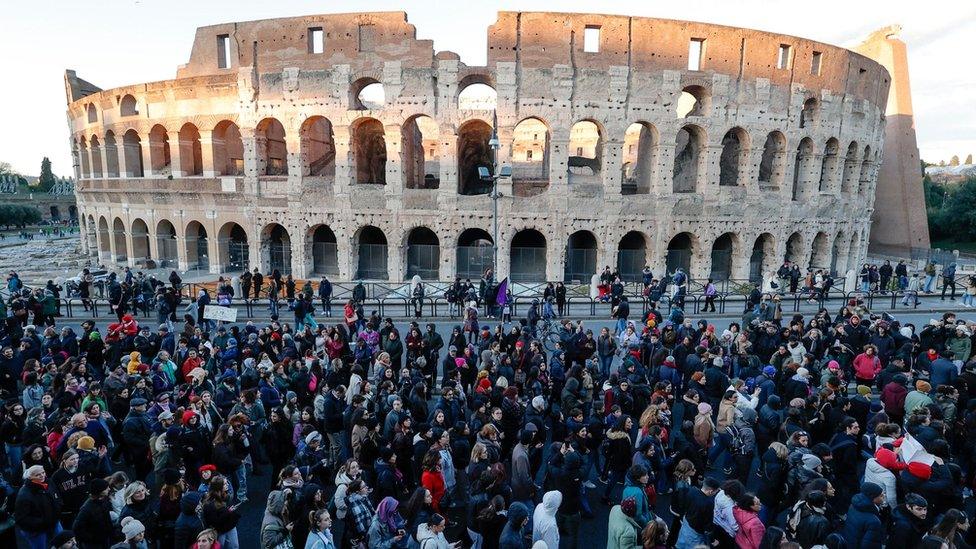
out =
column 313, row 436
column 704, row 408
column 97, row 486
column 871, row 490
column 905, row 332
column 833, row 365
column 629, row 506
column 798, row 403
column 915, row 500
column 923, row 386
column 717, row 361
column 769, row 370
column 187, row 415
column 86, row 443
column 864, row 390
column 900, row 379
column 811, row 462
column 669, row 361
column 131, row 528
column 208, row 467
column 538, row 402
column 290, row 395
column 803, row 372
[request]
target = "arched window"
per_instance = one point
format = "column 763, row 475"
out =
column 318, row 147
column 772, row 168
column 820, row 252
column 92, row 114
column 372, row 254
column 585, row 152
column 159, row 153
column 810, row 112
column 475, row 253
column 632, row 256
column 639, row 158
column 722, row 251
column 197, row 251
column 687, row 159
column 735, row 158
column 828, row 166
column 423, row 254
column 132, row 146
column 473, row 152
column 762, row 261
column 118, row 236
column 191, row 152
column 140, row 241
column 477, row 96
column 276, row 248
column 528, row 256
column 111, row 155
column 530, row 157
column 803, row 169
column 867, row 163
column 794, row 249
column 272, row 150
column 96, row 158
column 166, row 247
column 128, row 106
column 369, row 150
column 581, row 250
column 325, row 252
column 228, row 149
column 693, row 101
column 680, row 250
column 232, row 244
column 850, row 177
column 418, row 151
column 367, row 94
column 83, row 153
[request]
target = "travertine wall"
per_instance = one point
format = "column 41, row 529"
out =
column 157, row 178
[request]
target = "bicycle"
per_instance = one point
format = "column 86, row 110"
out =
column 549, row 334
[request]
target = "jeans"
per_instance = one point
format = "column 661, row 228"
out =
column 241, row 476
column 865, row 286
column 614, row 478
column 605, row 363
column 621, row 326
column 229, row 539
column 929, row 283
column 910, row 295
column 689, row 538
column 39, row 540
column 967, row 299
column 719, row 450
column 14, row 454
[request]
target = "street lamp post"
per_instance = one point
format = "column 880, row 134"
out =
column 494, row 145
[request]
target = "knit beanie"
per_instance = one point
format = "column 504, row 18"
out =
column 86, row 443
column 871, row 490
column 923, row 386
column 629, row 506
column 131, row 528
column 704, row 408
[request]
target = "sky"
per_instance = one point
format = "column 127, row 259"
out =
column 118, row 42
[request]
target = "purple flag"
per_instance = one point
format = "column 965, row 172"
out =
column 502, row 296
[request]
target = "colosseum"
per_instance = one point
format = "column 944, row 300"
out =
column 342, row 144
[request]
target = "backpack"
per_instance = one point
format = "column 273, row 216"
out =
column 736, row 445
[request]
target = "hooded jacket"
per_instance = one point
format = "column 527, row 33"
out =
column 863, row 528
column 878, row 474
column 429, row 540
column 544, row 519
column 621, row 530
column 751, row 529
column 511, row 537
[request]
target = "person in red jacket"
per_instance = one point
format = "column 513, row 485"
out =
column 867, row 366
column 192, row 361
column 433, row 479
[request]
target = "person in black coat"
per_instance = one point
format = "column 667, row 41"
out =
column 188, row 524
column 909, row 523
column 93, row 526
column 36, row 511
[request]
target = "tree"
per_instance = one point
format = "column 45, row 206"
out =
column 969, row 159
column 46, row 179
column 18, row 216
column 954, row 161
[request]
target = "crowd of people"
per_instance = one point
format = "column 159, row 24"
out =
column 845, row 429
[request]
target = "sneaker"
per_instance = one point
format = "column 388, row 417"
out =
column 589, row 485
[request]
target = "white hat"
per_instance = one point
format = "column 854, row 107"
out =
column 313, row 436
column 131, row 527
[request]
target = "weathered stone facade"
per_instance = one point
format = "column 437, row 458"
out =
column 263, row 151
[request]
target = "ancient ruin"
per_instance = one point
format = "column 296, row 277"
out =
column 342, row 144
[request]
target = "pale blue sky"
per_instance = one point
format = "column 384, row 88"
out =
column 116, row 42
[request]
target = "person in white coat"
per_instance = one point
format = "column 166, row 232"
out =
column 881, row 470
column 544, row 519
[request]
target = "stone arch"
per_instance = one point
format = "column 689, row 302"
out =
column 85, row 164
column 96, row 158
column 476, row 92
column 368, row 148
column 140, row 241
column 640, row 156
column 318, row 147
column 681, row 249
column 581, row 251
column 794, row 249
column 850, row 178
column 688, row 159
column 838, row 255
column 167, row 252
column 423, row 253
column 632, row 255
column 734, row 162
column 762, row 261
column 530, row 153
column 276, row 248
column 528, row 256
column 371, row 251
column 803, row 168
column 92, row 113
column 272, row 148
column 195, row 239
column 585, row 152
column 233, row 247
column 111, row 155
column 366, row 93
column 104, row 240
column 119, row 240
column 324, row 250
column 128, row 106
column 724, row 249
column 91, row 234
column 772, row 167
column 473, row 152
column 867, row 163
column 475, row 253
column 810, row 114
column 419, row 138
column 694, row 100
column 828, row 165
column 853, row 254
column 228, row 149
column 820, row 252
column 191, row 151
column 132, row 147
column 159, row 151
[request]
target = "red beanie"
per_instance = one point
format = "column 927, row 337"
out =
column 187, row 415
column 207, row 467
column 889, row 460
